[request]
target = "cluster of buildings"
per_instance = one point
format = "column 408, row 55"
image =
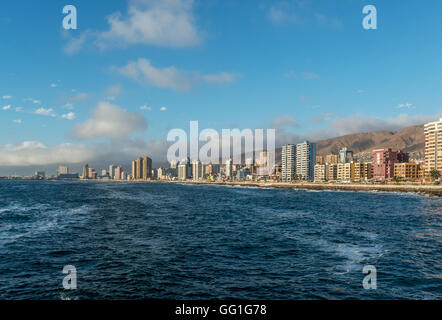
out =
column 298, row 162
column 386, row 164
column 253, row 169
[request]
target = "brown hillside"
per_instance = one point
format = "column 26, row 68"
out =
column 410, row 139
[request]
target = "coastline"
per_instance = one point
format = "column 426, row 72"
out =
column 431, row 190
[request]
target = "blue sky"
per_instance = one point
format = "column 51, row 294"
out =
column 305, row 67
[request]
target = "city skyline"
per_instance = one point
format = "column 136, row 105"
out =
column 110, row 102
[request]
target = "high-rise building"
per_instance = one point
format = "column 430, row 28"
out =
column 147, row 168
column 320, row 160
column 184, row 169
column 139, row 173
column 288, row 159
column 118, row 173
column 229, row 169
column 196, row 170
column 433, row 147
column 345, row 155
column 305, row 160
column 112, row 171
column 134, row 170
column 86, row 171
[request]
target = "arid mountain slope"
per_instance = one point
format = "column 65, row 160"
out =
column 410, row 139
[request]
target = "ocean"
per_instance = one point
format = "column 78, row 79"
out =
column 178, row 241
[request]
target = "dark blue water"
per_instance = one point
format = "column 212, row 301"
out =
column 134, row 241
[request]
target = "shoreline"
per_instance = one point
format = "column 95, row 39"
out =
column 431, row 190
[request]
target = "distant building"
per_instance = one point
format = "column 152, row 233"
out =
column 229, row 169
column 184, row 169
column 321, row 172
column 406, row 171
column 345, row 155
column 383, row 161
column 62, row 170
column 112, row 171
column 67, row 176
column 319, row 160
column 92, row 174
column 118, row 173
column 362, row 171
column 139, row 172
column 331, row 158
column 86, row 171
column 40, row 175
column 433, row 147
column 332, row 171
column 134, row 170
column 196, row 170
column 305, row 160
column 288, row 162
column 147, row 168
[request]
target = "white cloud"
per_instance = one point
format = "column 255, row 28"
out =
column 35, row 153
column 221, row 78
column 109, row 120
column 45, row 112
column 169, row 77
column 163, row 109
column 74, row 45
column 405, row 106
column 146, row 107
column 18, row 109
column 7, row 97
column 168, row 23
column 68, row 116
column 18, row 121
column 359, row 123
column 6, row 107
column 284, row 121
column 144, row 72
column 31, row 153
column 53, row 85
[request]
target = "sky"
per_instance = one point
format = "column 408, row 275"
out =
column 112, row 89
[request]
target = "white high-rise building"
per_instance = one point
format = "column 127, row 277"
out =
column 288, row 157
column 118, row 175
column 112, row 171
column 229, row 169
column 184, row 169
column 306, row 160
column 196, row 170
column 433, row 147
